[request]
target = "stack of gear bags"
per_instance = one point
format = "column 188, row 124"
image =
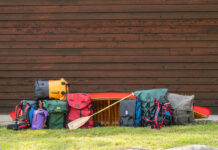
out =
column 53, row 94
column 31, row 113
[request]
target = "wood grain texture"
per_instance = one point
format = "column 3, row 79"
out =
column 90, row 16
column 107, row 37
column 108, row 2
column 186, row 51
column 108, row 66
column 106, row 23
column 105, row 59
column 107, row 8
column 113, row 30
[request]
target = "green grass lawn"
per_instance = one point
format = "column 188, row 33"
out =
column 110, row 137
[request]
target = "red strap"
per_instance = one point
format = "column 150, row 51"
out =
column 17, row 113
column 25, row 113
column 157, row 112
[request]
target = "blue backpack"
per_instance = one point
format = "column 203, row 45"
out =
column 32, row 105
column 138, row 113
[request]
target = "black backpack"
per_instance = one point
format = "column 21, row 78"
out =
column 127, row 113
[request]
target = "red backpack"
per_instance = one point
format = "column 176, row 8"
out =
column 80, row 105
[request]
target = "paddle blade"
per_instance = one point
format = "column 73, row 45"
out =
column 78, row 123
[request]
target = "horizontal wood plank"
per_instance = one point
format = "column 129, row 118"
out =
column 108, row 37
column 131, row 74
column 102, row 59
column 108, row 66
column 115, row 81
column 109, row 2
column 112, row 52
column 107, row 23
column 106, row 8
column 114, row 30
column 110, row 45
column 90, row 16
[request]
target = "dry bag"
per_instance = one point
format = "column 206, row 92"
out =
column 50, row 89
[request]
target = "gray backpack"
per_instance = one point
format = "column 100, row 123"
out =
column 127, row 113
column 182, row 107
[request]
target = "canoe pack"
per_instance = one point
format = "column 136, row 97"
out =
column 24, row 114
column 51, row 89
column 80, row 105
column 57, row 111
column 182, row 107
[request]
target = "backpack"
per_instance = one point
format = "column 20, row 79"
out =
column 127, row 113
column 138, row 113
column 39, row 118
column 24, row 113
column 147, row 98
column 162, row 116
column 32, row 105
column 51, row 89
column 80, row 105
column 57, row 111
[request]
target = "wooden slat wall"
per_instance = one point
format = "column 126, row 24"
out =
column 109, row 46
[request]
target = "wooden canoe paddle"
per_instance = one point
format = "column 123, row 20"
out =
column 81, row 121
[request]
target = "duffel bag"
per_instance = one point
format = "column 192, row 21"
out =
column 57, row 111
column 50, row 89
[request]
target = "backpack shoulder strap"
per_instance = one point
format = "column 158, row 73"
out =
column 26, row 114
column 16, row 112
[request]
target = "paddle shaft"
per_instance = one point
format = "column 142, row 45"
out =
column 111, row 105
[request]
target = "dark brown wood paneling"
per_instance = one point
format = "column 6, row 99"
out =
column 186, row 51
column 107, row 8
column 107, row 23
column 110, row 46
column 108, row 2
column 114, row 30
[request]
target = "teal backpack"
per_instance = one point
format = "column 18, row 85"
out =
column 147, row 98
column 57, row 111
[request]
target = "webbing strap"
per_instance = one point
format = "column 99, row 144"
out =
column 157, row 114
column 25, row 113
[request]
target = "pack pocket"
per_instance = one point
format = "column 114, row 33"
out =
column 127, row 121
column 56, row 120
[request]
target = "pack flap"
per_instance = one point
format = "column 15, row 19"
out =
column 55, row 105
column 78, row 100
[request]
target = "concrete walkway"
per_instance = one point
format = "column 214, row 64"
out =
column 6, row 119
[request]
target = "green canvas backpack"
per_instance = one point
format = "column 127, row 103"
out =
column 57, row 110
